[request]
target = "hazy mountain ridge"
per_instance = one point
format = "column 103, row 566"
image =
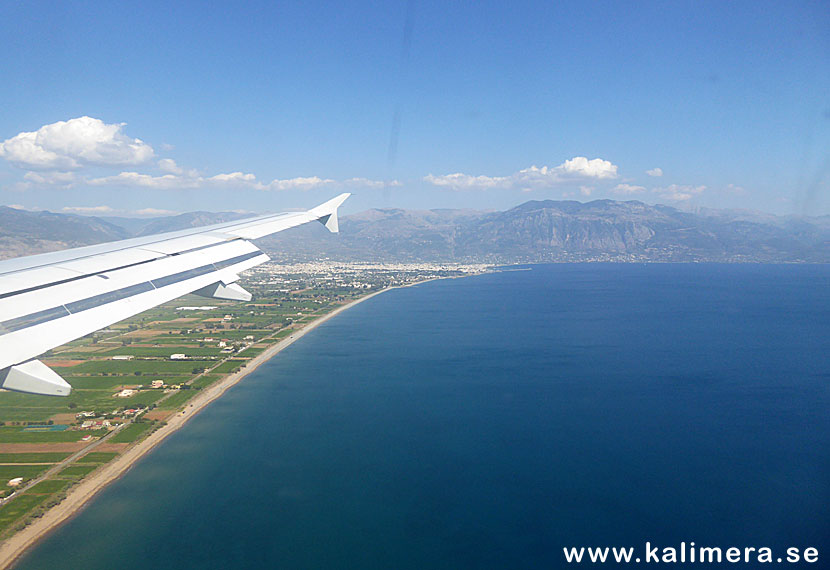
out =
column 534, row 231
column 563, row 231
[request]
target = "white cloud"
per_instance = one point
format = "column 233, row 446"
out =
column 103, row 209
column 576, row 169
column 190, row 180
column 312, row 182
column 51, row 178
column 735, row 189
column 169, row 165
column 367, row 183
column 154, row 212
column 625, row 189
column 88, row 209
column 136, row 179
column 586, row 190
column 580, row 166
column 71, row 144
column 655, row 172
column 679, row 192
column 299, row 183
column 239, row 177
column 459, row 181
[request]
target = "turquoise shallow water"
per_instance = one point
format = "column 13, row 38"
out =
column 489, row 422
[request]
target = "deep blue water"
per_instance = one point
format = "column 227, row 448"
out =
column 489, row 422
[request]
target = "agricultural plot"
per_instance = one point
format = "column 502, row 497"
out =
column 14, row 510
column 136, row 367
column 32, row 457
column 48, row 487
column 162, row 352
column 17, row 435
column 98, row 457
column 8, row 472
column 177, row 400
column 229, row 366
column 131, row 433
column 77, row 471
column 203, row 381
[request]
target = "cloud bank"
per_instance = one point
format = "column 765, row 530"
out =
column 56, row 155
column 575, row 170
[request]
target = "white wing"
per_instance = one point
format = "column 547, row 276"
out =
column 50, row 299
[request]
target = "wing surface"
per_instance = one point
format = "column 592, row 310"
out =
column 50, row 299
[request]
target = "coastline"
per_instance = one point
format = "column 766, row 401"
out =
column 15, row 546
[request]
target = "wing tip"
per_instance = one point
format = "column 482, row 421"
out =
column 326, row 213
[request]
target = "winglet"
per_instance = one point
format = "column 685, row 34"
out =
column 326, row 212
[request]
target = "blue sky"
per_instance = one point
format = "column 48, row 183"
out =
column 171, row 107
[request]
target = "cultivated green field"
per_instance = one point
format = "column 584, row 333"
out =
column 48, row 487
column 77, row 471
column 8, row 472
column 131, row 433
column 17, row 435
column 33, row 457
column 97, row 457
column 177, row 400
column 14, row 510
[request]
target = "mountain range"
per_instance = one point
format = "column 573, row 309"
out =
column 536, row 231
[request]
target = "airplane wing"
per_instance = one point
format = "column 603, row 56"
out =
column 50, row 299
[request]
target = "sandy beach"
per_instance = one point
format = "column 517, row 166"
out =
column 12, row 548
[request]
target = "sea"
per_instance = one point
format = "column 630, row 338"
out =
column 495, row 421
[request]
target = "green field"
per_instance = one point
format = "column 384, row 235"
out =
column 130, row 433
column 130, row 367
column 252, row 352
column 228, row 366
column 110, row 383
column 48, row 487
column 77, row 471
column 98, row 457
column 14, row 509
column 204, row 381
column 17, row 435
column 177, row 400
column 163, row 352
column 32, row 457
column 8, row 472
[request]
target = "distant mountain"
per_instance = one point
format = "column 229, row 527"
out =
column 531, row 232
column 188, row 220
column 563, row 231
column 26, row 233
